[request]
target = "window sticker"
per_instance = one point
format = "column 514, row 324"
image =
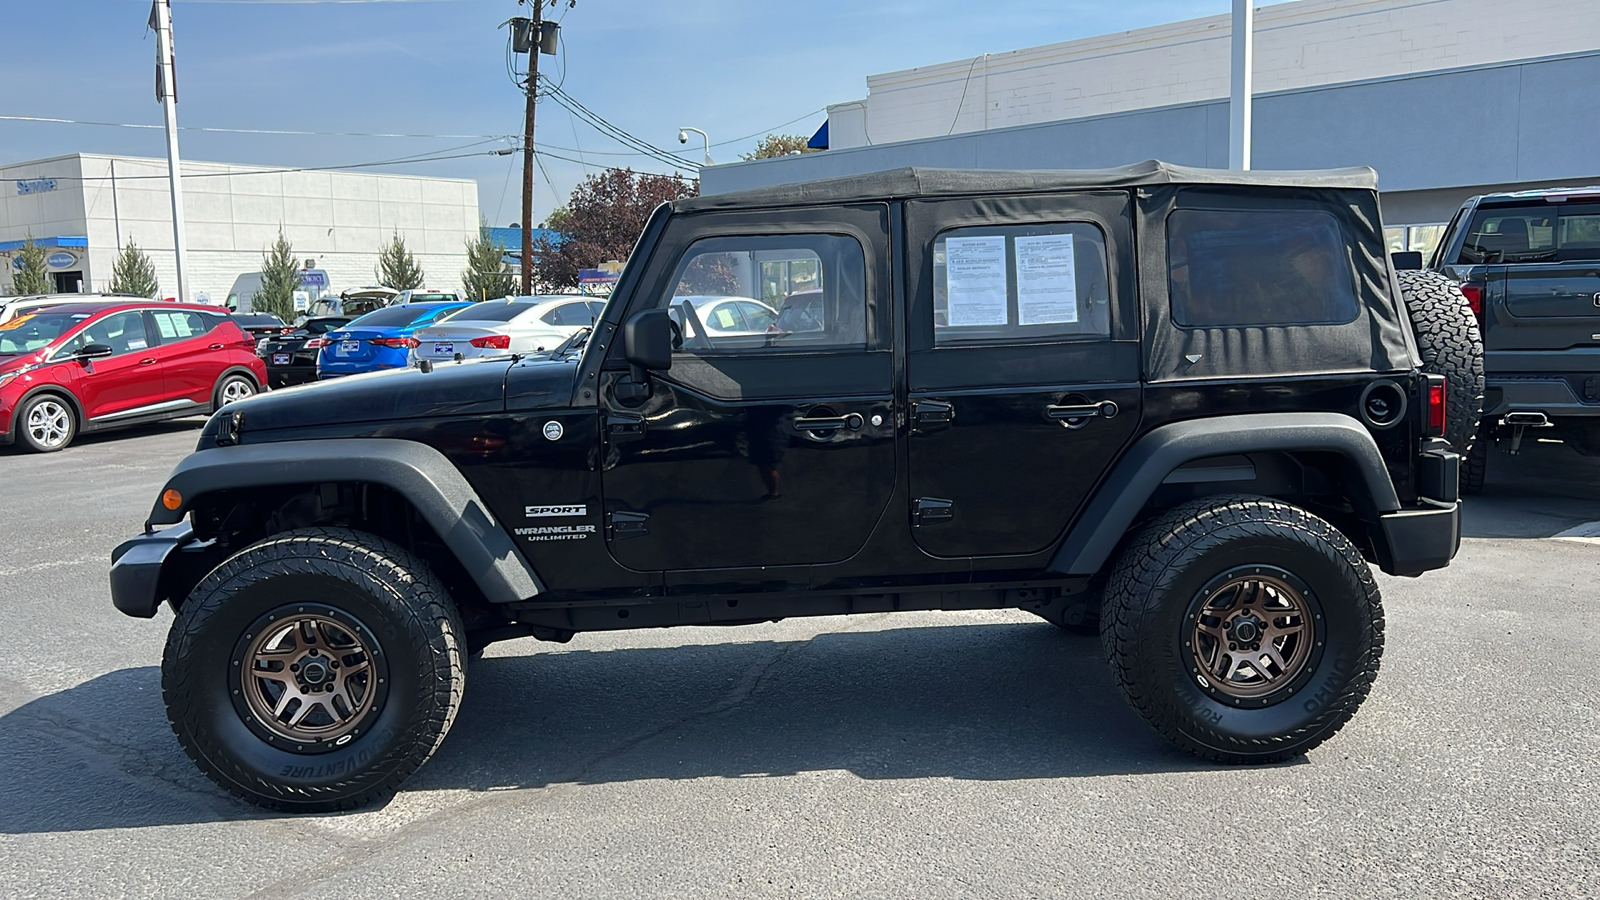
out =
column 138, row 344
column 975, row 280
column 18, row 322
column 164, row 325
column 1047, row 280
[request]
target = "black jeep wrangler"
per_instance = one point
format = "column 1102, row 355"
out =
column 1529, row 263
column 1182, row 409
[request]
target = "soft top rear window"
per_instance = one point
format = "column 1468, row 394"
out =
column 1242, row 268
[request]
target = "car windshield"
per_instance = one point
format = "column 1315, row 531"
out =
column 392, row 316
column 26, row 334
column 489, row 311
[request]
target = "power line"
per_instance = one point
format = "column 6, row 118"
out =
column 361, row 165
column 616, row 133
column 279, row 131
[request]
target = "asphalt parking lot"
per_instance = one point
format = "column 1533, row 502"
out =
column 914, row 755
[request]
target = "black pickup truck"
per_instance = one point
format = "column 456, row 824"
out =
column 1529, row 264
column 1184, row 410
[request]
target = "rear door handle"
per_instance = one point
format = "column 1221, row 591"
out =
column 1078, row 414
column 931, row 415
column 853, row 421
column 215, row 347
column 147, row 361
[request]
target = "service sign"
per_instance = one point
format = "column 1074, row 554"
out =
column 35, row 186
column 62, row 260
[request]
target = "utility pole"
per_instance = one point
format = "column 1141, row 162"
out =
column 527, row 149
column 167, row 93
column 1243, row 70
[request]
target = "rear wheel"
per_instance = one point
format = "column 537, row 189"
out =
column 1451, row 345
column 1475, row 464
column 232, row 389
column 46, row 423
column 1243, row 629
column 315, row 670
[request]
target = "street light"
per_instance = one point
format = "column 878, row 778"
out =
column 683, row 138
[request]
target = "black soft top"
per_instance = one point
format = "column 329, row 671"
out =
column 920, row 182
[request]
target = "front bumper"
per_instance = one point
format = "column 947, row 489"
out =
column 137, row 587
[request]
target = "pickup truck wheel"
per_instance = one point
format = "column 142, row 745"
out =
column 315, row 670
column 1451, row 345
column 1244, row 629
column 1475, row 464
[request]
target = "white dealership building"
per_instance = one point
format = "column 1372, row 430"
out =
column 1444, row 98
column 82, row 208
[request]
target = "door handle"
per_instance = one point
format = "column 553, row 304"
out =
column 853, row 421
column 148, row 361
column 1077, row 415
column 214, row 347
column 930, row 415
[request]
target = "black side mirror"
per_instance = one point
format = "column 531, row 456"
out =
column 647, row 340
column 92, row 351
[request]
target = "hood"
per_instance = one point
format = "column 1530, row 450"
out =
column 448, row 390
column 22, row 361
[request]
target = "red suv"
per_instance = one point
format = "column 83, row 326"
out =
column 87, row 367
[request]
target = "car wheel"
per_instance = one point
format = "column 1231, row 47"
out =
column 1451, row 345
column 1475, row 465
column 1243, row 629
column 315, row 670
column 46, row 423
column 232, row 389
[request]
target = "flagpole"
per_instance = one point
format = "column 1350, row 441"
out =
column 167, row 92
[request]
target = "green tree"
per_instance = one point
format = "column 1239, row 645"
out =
column 134, row 273
column 33, row 275
column 487, row 276
column 775, row 145
column 601, row 221
column 397, row 268
column 280, row 277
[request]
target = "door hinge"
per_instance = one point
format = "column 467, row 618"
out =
column 622, row 426
column 625, row 524
column 931, row 511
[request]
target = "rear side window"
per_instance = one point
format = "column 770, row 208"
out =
column 1020, row 282
column 1242, row 268
column 180, row 324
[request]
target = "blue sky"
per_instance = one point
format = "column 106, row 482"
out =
column 734, row 68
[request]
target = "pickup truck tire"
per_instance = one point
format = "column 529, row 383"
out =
column 1451, row 345
column 1475, row 464
column 315, row 670
column 1288, row 587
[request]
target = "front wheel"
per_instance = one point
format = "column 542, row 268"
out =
column 1243, row 629
column 315, row 670
column 46, row 424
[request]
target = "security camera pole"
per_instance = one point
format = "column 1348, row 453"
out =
column 167, row 93
column 683, row 138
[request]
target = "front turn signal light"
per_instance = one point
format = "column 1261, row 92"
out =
column 171, row 499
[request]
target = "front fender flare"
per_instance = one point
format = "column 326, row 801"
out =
column 421, row 474
column 1153, row 457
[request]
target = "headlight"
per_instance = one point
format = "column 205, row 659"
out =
column 6, row 378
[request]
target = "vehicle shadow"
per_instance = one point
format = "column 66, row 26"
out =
column 170, row 426
column 1544, row 490
column 982, row 702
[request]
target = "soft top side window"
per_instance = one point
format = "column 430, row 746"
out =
column 765, row 293
column 1020, row 282
column 1250, row 268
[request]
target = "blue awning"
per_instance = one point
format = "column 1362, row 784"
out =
column 819, row 141
column 46, row 242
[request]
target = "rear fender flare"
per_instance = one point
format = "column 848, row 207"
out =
column 421, row 474
column 1135, row 478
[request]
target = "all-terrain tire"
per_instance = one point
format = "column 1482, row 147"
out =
column 1475, row 464
column 1451, row 345
column 1167, row 572
column 374, row 591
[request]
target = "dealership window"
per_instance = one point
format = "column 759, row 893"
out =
column 1258, row 267
column 1020, row 282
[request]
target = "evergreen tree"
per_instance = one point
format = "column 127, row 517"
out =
column 134, row 273
column 280, row 277
column 487, row 277
column 34, row 275
column 775, row 145
column 397, row 268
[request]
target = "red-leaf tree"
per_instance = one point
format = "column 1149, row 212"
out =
column 601, row 221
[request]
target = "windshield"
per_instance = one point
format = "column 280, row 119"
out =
column 489, row 311
column 392, row 316
column 26, row 334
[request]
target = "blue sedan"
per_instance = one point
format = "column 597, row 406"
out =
column 378, row 340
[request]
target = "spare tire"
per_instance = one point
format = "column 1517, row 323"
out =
column 1451, row 345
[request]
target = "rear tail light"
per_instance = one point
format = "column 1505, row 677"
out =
column 413, row 343
column 1434, row 409
column 1474, row 295
column 395, row 342
column 492, row 342
column 314, row 343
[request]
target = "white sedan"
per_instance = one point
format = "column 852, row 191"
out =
column 510, row 325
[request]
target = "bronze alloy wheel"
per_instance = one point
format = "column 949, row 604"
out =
column 308, row 677
column 1252, row 633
